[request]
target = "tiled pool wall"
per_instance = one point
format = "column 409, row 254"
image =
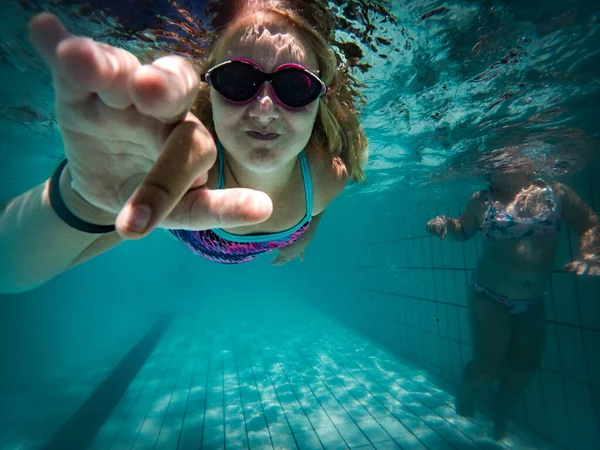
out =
column 381, row 273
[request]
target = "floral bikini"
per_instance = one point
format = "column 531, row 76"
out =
column 499, row 225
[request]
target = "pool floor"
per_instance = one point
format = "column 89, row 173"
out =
column 292, row 380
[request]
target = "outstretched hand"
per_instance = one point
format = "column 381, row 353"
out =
column 135, row 151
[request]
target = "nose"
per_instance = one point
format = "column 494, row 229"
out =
column 262, row 107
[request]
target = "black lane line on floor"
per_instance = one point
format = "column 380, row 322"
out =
column 79, row 431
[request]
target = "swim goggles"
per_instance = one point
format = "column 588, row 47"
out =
column 239, row 80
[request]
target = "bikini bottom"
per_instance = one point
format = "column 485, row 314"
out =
column 513, row 306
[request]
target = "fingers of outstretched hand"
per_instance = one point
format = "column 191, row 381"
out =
column 81, row 66
column 188, row 154
column 45, row 33
column 165, row 89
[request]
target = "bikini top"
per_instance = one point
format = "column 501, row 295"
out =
column 498, row 224
column 220, row 246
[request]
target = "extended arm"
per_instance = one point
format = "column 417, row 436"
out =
column 465, row 226
column 36, row 245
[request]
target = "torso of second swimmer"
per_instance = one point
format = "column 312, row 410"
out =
column 518, row 268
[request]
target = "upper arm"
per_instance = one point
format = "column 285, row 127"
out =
column 328, row 180
column 471, row 219
column 575, row 211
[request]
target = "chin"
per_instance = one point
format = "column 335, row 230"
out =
column 261, row 159
column 268, row 155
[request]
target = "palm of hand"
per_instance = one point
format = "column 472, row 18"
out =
column 121, row 145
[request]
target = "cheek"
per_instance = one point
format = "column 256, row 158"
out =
column 224, row 114
column 303, row 121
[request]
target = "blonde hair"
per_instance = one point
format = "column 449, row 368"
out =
column 337, row 130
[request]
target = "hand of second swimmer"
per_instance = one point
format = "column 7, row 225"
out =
column 585, row 266
column 438, row 226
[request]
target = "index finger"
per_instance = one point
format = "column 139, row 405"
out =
column 46, row 33
column 80, row 66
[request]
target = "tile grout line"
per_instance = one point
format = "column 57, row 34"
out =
column 187, row 400
column 262, row 409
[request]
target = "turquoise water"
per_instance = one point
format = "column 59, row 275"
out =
column 362, row 345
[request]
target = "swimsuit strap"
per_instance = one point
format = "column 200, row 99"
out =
column 308, row 189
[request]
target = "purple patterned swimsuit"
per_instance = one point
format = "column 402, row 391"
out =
column 220, row 246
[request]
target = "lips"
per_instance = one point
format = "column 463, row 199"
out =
column 262, row 136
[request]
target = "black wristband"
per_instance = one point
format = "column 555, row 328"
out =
column 61, row 210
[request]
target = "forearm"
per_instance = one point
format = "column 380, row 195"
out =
column 454, row 230
column 35, row 245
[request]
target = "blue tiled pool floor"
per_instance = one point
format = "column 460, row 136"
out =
column 295, row 379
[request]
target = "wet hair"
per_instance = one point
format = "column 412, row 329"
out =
column 337, row 130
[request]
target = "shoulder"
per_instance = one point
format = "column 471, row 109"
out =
column 329, row 177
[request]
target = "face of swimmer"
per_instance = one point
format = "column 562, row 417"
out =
column 512, row 175
column 240, row 127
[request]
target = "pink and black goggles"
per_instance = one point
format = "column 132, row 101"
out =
column 240, row 81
